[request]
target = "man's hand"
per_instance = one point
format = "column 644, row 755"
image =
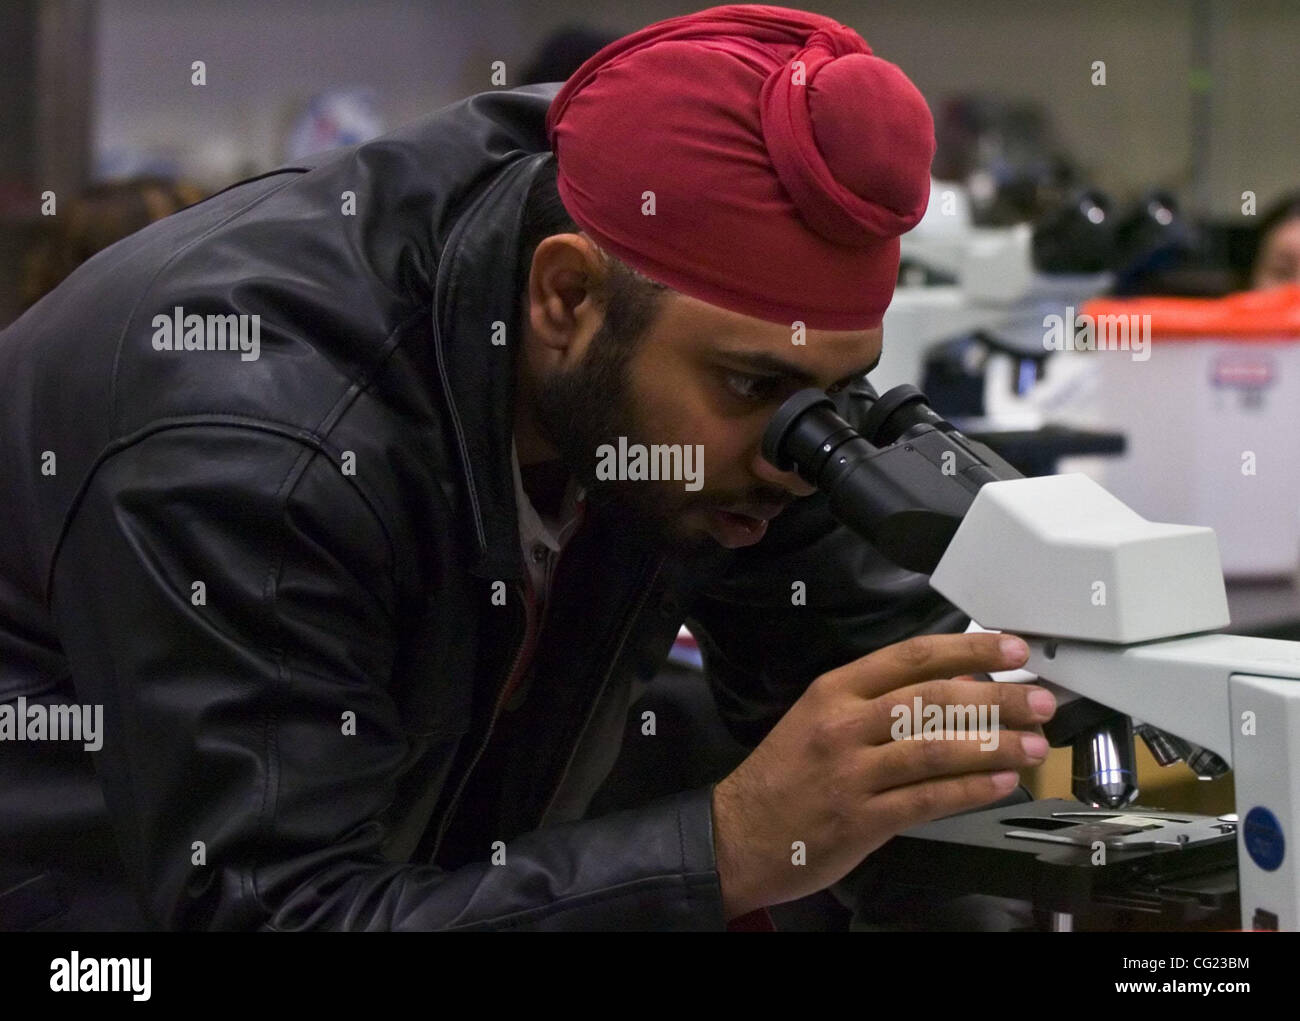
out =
column 831, row 775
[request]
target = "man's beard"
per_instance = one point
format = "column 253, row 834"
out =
column 580, row 410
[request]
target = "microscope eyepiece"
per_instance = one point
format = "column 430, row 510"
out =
column 897, row 412
column 904, row 482
column 794, row 432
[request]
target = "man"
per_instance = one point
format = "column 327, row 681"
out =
column 354, row 673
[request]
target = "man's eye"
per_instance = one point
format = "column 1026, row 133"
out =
column 752, row 388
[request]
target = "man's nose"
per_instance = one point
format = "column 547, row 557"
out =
column 789, row 481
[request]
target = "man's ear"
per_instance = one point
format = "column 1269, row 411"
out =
column 563, row 300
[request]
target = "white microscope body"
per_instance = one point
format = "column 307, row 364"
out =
column 1121, row 610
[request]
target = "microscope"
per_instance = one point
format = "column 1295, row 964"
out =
column 1120, row 615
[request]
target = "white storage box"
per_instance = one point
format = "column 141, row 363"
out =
column 1212, row 419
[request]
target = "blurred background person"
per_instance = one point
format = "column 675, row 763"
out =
column 563, row 52
column 100, row 216
column 1277, row 251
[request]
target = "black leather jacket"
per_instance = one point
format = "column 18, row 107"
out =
column 298, row 741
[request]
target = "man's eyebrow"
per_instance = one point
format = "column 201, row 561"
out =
column 766, row 362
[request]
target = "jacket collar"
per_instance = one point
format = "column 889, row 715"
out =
column 476, row 289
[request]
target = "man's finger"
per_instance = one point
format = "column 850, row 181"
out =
column 904, row 807
column 907, row 710
column 916, row 760
column 927, row 657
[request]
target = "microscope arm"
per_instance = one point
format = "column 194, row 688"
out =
column 1180, row 685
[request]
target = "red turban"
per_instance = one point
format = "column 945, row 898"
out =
column 784, row 157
